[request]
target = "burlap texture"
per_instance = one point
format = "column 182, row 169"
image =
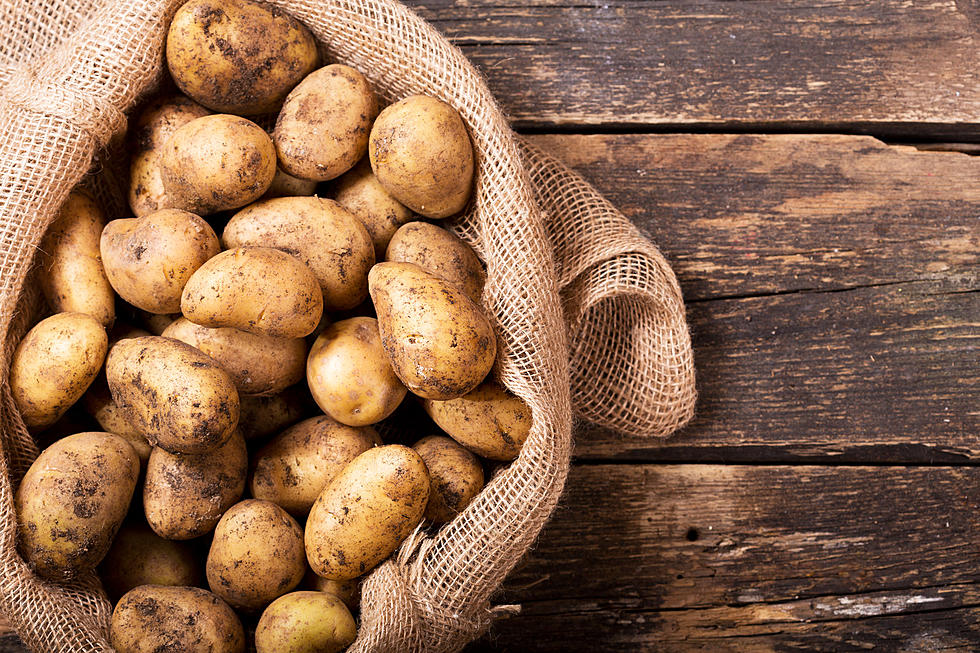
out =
column 587, row 311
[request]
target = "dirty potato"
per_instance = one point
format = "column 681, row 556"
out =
column 348, row 591
column 302, row 622
column 99, row 404
column 456, row 477
column 286, row 185
column 156, row 323
column 489, row 421
column 139, row 556
column 441, row 253
column 360, row 192
column 263, row 416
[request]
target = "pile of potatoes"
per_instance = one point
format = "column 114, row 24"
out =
column 211, row 371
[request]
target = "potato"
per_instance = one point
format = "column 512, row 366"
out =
column 360, row 192
column 366, row 511
column 350, row 376
column 440, row 253
column 99, row 404
column 185, row 496
column 124, row 330
column 139, row 556
column 293, row 468
column 438, row 340
column 348, row 591
column 155, row 323
column 305, row 622
column 261, row 417
column 489, row 421
column 55, row 364
column 256, row 289
column 156, row 618
column 456, row 477
column 148, row 260
column 319, row 232
column 216, row 163
column 174, row 394
column 256, row 555
column 286, row 185
column 422, row 155
column 72, row 278
column 71, row 502
column 237, row 56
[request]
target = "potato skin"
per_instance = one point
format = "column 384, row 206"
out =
column 360, row 192
column 305, row 622
column 154, row 618
column 348, row 591
column 489, row 421
column 262, row 416
column 256, row 289
column 440, row 253
column 237, row 56
column 456, row 477
column 71, row 502
column 366, row 511
column 286, row 185
column 148, row 260
column 99, row 404
column 421, row 153
column 139, row 556
column 72, row 277
column 54, row 365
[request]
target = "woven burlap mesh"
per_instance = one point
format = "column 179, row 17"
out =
column 571, row 287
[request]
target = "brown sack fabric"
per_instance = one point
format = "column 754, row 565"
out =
column 588, row 313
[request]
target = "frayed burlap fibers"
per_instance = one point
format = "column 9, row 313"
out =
column 588, row 313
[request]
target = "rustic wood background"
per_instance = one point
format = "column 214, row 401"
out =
column 806, row 169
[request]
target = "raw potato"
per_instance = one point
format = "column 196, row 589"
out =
column 141, row 557
column 489, row 421
column 441, row 253
column 155, row 323
column 174, row 394
column 257, row 289
column 296, row 465
column 71, row 274
column 305, row 622
column 360, row 192
column 286, row 185
column 185, row 496
column 457, row 477
column 261, row 417
column 366, row 511
column 349, row 374
column 99, row 404
column 71, row 502
column 237, row 56
column 54, row 365
column 324, row 124
column 421, row 153
column 438, row 340
column 124, row 330
column 348, row 591
column 319, row 232
column 156, row 618
column 148, row 260
column 216, row 163
column 256, row 555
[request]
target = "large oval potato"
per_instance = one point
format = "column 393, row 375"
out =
column 72, row 500
column 360, row 192
column 98, row 403
column 237, row 56
column 139, row 556
column 256, row 289
column 54, row 365
column 456, row 477
column 366, row 511
column 262, row 416
column 304, row 622
column 441, row 253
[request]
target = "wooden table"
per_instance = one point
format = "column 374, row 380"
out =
column 805, row 168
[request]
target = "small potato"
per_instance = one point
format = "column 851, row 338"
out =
column 157, row 618
column 185, row 496
column 360, row 192
column 286, row 185
column 489, row 421
column 261, row 417
column 421, row 153
column 366, row 511
column 72, row 277
column 256, row 555
column 156, row 323
column 148, row 260
column 71, row 502
column 456, row 477
column 141, row 557
column 296, row 465
column 256, row 289
column 55, row 364
column 319, row 232
column 348, row 591
column 99, row 404
column 349, row 374
column 216, row 163
column 440, row 253
column 305, row 622
column 123, row 330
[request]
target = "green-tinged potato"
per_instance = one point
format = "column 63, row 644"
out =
column 366, row 511
column 256, row 555
column 256, row 289
column 55, row 364
column 261, row 417
column 71, row 502
column 294, row 467
column 360, row 192
column 489, row 421
column 185, row 496
column 441, row 253
column 72, row 277
column 157, row 618
column 348, row 591
column 438, row 340
column 456, row 477
column 421, row 153
column 349, row 374
column 319, row 232
column 99, row 404
column 139, row 556
column 156, row 323
column 148, row 260
column 305, row 622
column 286, row 185
column 174, row 394
column 216, row 163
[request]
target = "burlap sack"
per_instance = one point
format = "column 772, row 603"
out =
column 588, row 313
